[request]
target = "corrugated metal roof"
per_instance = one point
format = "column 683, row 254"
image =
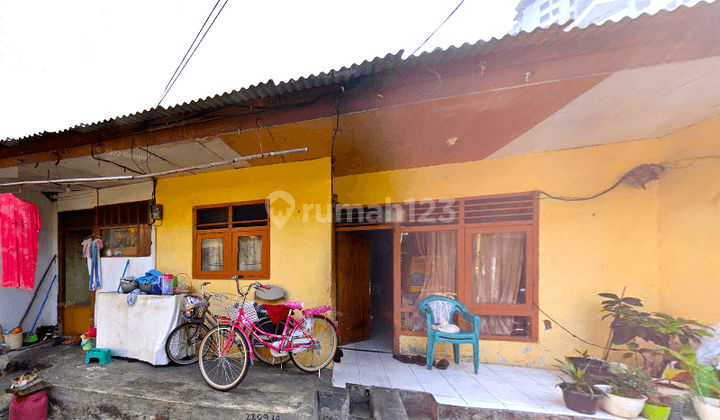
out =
column 389, row 62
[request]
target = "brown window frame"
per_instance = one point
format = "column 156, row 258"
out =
column 474, row 217
column 135, row 214
column 229, row 234
column 490, row 213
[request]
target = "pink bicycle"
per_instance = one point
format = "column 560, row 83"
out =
column 225, row 352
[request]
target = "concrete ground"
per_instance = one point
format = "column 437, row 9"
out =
column 137, row 390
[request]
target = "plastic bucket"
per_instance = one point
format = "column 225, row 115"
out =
column 87, row 343
column 14, row 341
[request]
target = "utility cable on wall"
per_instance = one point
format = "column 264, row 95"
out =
column 575, row 335
column 637, row 177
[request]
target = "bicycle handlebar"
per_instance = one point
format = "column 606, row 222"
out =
column 256, row 285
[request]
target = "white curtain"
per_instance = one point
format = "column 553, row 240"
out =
column 498, row 269
column 249, row 253
column 440, row 249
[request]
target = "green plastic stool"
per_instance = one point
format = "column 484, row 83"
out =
column 102, row 355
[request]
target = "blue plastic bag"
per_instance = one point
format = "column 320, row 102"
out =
column 152, row 276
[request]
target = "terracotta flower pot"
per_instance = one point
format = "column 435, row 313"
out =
column 581, row 402
column 628, row 408
column 707, row 408
column 656, row 412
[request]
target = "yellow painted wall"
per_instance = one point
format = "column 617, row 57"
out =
column 663, row 243
column 299, row 250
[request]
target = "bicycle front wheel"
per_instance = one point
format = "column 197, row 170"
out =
column 184, row 341
column 261, row 351
column 224, row 371
column 316, row 358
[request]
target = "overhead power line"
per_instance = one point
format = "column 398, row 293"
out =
column 438, row 28
column 191, row 50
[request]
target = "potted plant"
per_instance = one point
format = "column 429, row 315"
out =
column 629, row 324
column 627, row 393
column 657, row 407
column 579, row 393
column 705, row 382
column 597, row 371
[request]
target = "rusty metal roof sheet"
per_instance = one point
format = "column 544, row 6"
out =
column 523, row 40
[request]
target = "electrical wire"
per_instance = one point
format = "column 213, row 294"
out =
column 615, row 185
column 184, row 62
column 397, row 70
column 693, row 161
column 92, row 153
column 438, row 28
column 132, row 156
column 336, row 102
column 167, row 86
column 575, row 335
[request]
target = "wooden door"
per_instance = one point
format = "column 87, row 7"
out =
column 77, row 300
column 353, row 287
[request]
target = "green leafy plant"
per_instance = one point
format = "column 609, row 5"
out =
column 632, row 383
column 584, row 354
column 577, row 379
column 705, row 382
column 628, row 324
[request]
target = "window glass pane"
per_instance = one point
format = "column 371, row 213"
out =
column 120, row 242
column 498, row 268
column 411, row 321
column 249, row 215
column 513, row 326
column 429, row 265
column 211, row 257
column 218, row 215
column 249, row 212
column 249, row 249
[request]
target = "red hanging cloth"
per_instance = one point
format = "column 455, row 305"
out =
column 19, row 228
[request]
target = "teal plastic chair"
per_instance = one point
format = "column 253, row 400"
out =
column 439, row 308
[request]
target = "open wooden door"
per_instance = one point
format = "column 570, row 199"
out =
column 353, row 286
column 77, row 305
column 75, row 301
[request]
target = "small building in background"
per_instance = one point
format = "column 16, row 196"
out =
column 532, row 14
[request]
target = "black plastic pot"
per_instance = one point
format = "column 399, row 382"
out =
column 581, row 402
column 597, row 371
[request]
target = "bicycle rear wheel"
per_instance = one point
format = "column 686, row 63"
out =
column 263, row 352
column 184, row 341
column 314, row 359
column 224, row 372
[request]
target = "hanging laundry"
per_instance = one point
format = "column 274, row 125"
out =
column 86, row 244
column 19, row 228
column 95, row 271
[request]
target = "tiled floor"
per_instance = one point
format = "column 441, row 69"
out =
column 495, row 386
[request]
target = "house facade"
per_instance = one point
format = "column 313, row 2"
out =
column 500, row 174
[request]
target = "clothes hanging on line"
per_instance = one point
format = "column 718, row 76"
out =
column 95, row 266
column 19, row 228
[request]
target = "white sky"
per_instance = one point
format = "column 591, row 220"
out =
column 63, row 63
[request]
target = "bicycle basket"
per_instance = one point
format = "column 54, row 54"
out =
column 192, row 305
column 248, row 310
